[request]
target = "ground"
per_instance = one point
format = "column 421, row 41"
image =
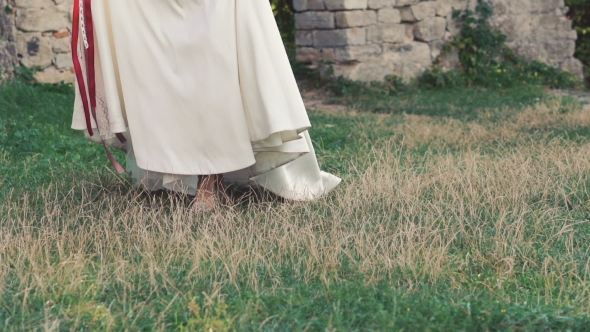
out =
column 583, row 96
column 460, row 210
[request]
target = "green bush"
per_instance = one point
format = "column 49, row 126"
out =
column 486, row 61
column 580, row 14
column 283, row 10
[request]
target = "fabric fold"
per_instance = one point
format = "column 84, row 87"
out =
column 201, row 87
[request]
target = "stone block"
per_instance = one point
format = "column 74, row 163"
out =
column 573, row 66
column 444, row 8
column 511, row 7
column 5, row 23
column 389, row 15
column 378, row 4
column 39, row 4
column 554, row 22
column 305, row 5
column 307, row 55
column 418, row 12
column 560, row 49
column 63, row 61
column 430, row 29
column 34, row 49
column 402, row 3
column 424, row 10
column 35, row 20
column 449, row 60
column 345, row 4
column 409, row 32
column 339, row 37
column 411, row 59
column 355, row 18
column 406, row 60
column 54, row 75
column 542, row 35
column 529, row 50
column 61, row 34
column 407, row 15
column 64, row 5
column 7, row 57
column 350, row 53
column 373, row 69
column 61, row 45
column 436, row 48
column 313, row 56
column 516, row 27
column 314, row 20
column 388, row 33
column 304, row 38
column 327, row 55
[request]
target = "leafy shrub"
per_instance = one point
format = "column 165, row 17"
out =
column 580, row 14
column 435, row 77
column 283, row 10
column 485, row 60
column 480, row 46
column 26, row 74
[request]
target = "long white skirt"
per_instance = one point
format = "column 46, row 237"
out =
column 201, row 87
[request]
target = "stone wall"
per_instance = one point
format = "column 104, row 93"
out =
column 42, row 37
column 7, row 46
column 364, row 39
column 368, row 39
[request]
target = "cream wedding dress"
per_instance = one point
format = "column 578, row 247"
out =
column 198, row 87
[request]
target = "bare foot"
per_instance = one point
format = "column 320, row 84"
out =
column 206, row 197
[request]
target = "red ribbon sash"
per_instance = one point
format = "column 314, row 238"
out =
column 83, row 8
column 78, row 65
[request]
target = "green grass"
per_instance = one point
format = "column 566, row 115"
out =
column 36, row 139
column 43, row 161
column 456, row 103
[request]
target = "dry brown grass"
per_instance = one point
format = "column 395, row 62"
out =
column 465, row 219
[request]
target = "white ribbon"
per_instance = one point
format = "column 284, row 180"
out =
column 83, row 25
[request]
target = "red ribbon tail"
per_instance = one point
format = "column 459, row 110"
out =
column 78, row 65
column 89, row 105
column 121, row 138
column 120, row 169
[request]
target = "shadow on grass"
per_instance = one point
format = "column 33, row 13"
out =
column 463, row 104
